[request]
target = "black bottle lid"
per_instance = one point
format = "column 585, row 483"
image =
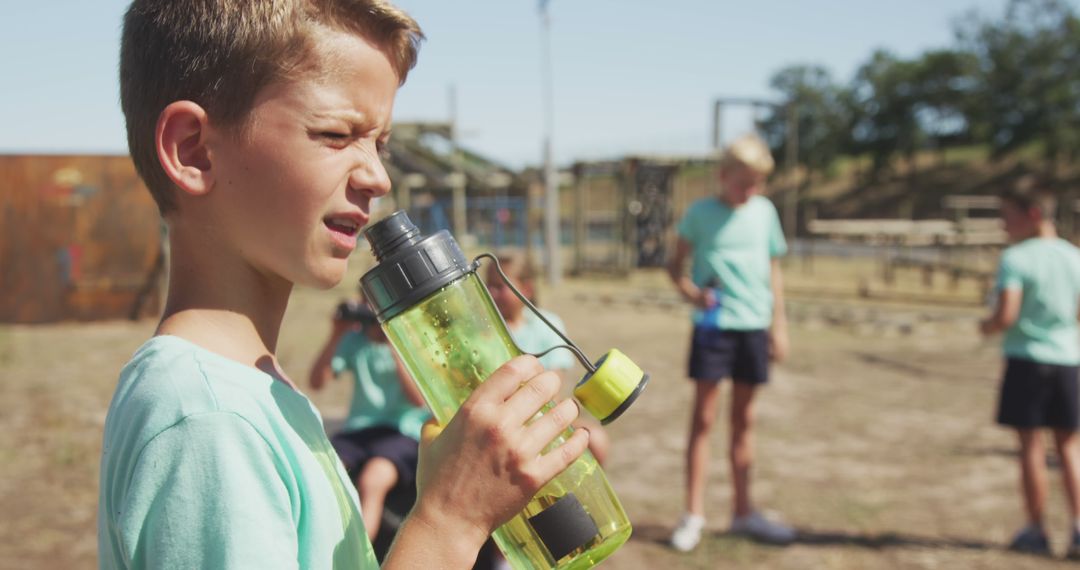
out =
column 410, row 266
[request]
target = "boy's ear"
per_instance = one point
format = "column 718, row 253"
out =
column 180, row 138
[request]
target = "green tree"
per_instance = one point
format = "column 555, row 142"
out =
column 885, row 99
column 823, row 116
column 945, row 83
column 1028, row 77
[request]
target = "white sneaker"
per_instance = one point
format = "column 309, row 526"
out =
column 688, row 534
column 757, row 526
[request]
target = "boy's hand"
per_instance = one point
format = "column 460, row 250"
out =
column 779, row 344
column 705, row 298
column 486, row 464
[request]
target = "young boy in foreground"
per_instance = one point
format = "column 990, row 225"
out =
column 257, row 126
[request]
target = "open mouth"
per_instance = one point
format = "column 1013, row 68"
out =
column 343, row 226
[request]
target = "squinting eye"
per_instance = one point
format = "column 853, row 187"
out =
column 384, row 153
column 334, row 135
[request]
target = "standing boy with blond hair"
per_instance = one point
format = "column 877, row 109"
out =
column 1038, row 287
column 734, row 241
column 257, row 126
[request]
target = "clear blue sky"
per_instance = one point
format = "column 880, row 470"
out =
column 630, row 76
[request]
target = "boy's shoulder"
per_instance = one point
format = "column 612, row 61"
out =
column 762, row 202
column 536, row 329
column 707, row 204
column 712, row 204
column 551, row 316
column 1034, row 249
column 169, row 379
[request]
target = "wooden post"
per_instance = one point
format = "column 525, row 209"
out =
column 581, row 187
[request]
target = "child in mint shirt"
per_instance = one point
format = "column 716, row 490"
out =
column 1037, row 307
column 734, row 242
column 379, row 442
column 257, row 128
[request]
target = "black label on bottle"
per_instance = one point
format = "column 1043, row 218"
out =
column 564, row 526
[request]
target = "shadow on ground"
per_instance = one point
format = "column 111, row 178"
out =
column 659, row 534
column 883, row 540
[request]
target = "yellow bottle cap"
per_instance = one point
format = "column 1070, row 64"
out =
column 609, row 391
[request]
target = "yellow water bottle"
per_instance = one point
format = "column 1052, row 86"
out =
column 441, row 320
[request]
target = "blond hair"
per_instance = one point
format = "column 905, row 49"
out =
column 221, row 53
column 748, row 150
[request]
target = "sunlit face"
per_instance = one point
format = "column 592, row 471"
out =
column 1019, row 224
column 505, row 300
column 739, row 183
column 293, row 190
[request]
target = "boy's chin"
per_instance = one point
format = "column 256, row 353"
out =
column 327, row 278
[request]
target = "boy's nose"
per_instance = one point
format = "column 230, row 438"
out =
column 370, row 177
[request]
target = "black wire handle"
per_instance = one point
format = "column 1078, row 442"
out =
column 569, row 343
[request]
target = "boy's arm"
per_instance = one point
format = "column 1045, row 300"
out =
column 778, row 333
column 485, row 466
column 321, row 372
column 676, row 271
column 1005, row 313
column 206, row 493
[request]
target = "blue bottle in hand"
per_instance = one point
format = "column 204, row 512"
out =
column 710, row 318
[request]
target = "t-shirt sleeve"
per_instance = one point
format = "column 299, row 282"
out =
column 1009, row 275
column 777, row 243
column 687, row 227
column 207, row 493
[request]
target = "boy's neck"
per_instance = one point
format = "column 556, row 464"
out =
column 1044, row 230
column 728, row 202
column 222, row 304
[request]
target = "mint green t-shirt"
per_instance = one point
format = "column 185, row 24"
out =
column 732, row 253
column 1047, row 273
column 208, row 463
column 378, row 399
column 534, row 335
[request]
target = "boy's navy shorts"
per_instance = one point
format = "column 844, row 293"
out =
column 740, row 355
column 355, row 448
column 1035, row 395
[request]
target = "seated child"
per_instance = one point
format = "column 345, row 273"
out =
column 379, row 442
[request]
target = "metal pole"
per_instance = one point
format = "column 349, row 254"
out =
column 718, row 110
column 551, row 184
column 459, row 180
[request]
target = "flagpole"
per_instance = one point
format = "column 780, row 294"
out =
column 551, row 185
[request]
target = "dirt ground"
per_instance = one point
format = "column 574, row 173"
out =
column 875, row 439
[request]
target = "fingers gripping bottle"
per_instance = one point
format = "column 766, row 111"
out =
column 440, row 318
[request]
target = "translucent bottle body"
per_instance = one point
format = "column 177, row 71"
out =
column 451, row 342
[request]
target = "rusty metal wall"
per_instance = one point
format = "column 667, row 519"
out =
column 80, row 239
